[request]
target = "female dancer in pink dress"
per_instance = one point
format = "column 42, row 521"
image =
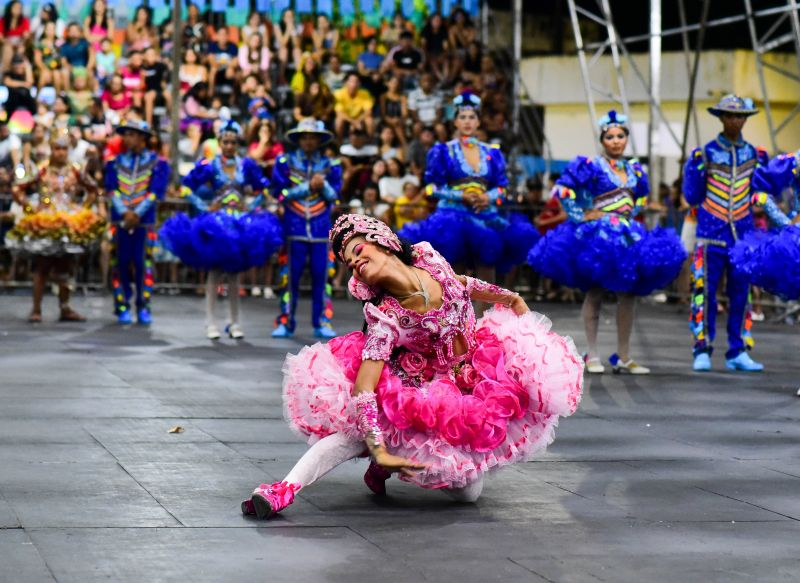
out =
column 427, row 391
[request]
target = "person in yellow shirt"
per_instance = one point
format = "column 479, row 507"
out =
column 353, row 107
column 410, row 207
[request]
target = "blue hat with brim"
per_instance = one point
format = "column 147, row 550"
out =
column 310, row 126
column 734, row 104
column 138, row 126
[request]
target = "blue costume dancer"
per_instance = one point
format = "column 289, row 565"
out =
column 307, row 184
column 717, row 180
column 134, row 181
column 602, row 247
column 772, row 260
column 469, row 180
column 225, row 240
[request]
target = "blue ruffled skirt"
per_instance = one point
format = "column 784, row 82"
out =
column 771, row 260
column 620, row 256
column 223, row 241
column 465, row 238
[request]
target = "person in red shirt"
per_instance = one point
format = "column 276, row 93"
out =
column 116, row 98
column 15, row 29
column 264, row 148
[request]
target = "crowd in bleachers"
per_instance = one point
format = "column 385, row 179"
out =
column 384, row 91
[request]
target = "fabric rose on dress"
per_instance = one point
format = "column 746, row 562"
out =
column 413, row 363
column 467, row 378
column 360, row 290
column 487, row 355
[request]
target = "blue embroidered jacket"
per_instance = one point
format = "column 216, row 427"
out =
column 717, row 179
column 307, row 213
column 591, row 183
column 769, row 183
column 134, row 182
column 448, row 176
column 226, row 190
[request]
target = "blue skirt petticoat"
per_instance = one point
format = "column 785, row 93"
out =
column 771, row 260
column 609, row 253
column 222, row 241
column 466, row 238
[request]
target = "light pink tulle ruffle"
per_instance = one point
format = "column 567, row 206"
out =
column 501, row 407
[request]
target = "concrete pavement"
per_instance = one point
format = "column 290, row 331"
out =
column 673, row 477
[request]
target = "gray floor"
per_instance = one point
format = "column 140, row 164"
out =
column 674, row 477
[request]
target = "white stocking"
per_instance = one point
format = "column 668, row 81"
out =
column 322, row 457
column 233, row 296
column 469, row 493
column 212, row 279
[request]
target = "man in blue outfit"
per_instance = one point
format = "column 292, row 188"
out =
column 134, row 181
column 717, row 181
column 307, row 184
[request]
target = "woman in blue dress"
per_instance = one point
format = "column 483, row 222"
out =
column 771, row 260
column 224, row 237
column 468, row 178
column 602, row 247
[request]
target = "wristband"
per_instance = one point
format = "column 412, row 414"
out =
column 367, row 418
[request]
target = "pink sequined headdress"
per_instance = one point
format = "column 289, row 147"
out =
column 375, row 231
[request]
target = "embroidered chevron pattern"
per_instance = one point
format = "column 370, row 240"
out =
column 133, row 187
column 619, row 202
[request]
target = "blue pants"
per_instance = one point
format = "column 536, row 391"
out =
column 708, row 265
column 316, row 254
column 133, row 251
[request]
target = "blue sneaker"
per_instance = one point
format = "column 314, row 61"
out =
column 325, row 331
column 743, row 362
column 125, row 318
column 281, row 332
column 144, row 317
column 702, row 362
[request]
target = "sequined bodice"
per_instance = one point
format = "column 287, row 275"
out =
column 431, row 334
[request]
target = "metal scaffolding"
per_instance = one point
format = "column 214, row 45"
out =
column 763, row 25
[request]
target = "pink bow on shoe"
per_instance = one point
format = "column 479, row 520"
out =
column 269, row 499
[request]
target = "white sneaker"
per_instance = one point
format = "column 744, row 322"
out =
column 212, row 332
column 660, row 298
column 630, row 367
column 255, row 292
column 757, row 316
column 594, row 366
column 235, row 332
column 269, row 294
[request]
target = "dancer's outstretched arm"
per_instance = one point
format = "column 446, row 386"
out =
column 366, row 402
column 482, row 291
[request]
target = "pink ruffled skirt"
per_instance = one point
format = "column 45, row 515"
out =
column 499, row 406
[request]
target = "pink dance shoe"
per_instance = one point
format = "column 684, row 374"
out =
column 248, row 507
column 269, row 499
column 375, row 478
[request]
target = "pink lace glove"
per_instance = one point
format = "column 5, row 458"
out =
column 488, row 292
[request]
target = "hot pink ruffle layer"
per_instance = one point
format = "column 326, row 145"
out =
column 501, row 407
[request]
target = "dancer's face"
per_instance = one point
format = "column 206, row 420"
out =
column 467, row 122
column 367, row 261
column 732, row 123
column 614, row 142
column 228, row 144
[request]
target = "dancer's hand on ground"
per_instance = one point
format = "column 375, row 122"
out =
column 394, row 463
